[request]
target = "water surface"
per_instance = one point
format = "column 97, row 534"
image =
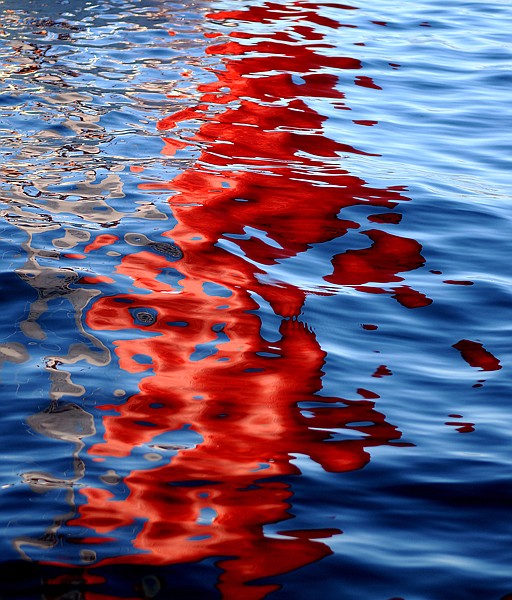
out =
column 256, row 300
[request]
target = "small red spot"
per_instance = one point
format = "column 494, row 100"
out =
column 365, row 122
column 393, row 218
column 394, row 65
column 242, row 35
column 212, row 34
column 455, row 282
column 311, row 534
column 436, row 272
column 136, row 169
column 382, row 371
column 369, row 326
column 381, row 23
column 76, row 256
column 93, row 280
column 171, row 32
column 367, row 394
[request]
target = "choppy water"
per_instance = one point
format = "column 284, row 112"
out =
column 256, row 300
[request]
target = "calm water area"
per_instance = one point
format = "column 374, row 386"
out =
column 256, row 300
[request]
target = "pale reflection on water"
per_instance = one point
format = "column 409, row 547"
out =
column 79, row 101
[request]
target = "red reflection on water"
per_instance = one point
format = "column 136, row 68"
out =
column 456, row 282
column 367, row 82
column 102, row 240
column 462, row 427
column 477, row 356
column 388, row 255
column 382, row 371
column 266, row 187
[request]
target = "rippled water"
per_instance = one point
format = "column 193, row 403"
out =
column 257, row 300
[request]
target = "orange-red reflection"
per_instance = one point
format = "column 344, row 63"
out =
column 266, row 187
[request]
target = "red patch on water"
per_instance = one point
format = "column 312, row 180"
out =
column 105, row 239
column 380, row 263
column 364, row 122
column 457, row 282
column 97, row 279
column 382, row 371
column 310, row 534
column 410, row 298
column 75, row 256
column 367, row 82
column 394, row 218
column 170, row 148
column 477, row 356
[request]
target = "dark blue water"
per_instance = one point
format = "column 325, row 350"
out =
column 256, row 300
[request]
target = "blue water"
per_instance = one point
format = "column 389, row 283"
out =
column 421, row 509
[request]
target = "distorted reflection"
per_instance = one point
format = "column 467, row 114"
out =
column 66, row 422
column 476, row 355
column 59, row 185
column 215, row 306
column 211, row 439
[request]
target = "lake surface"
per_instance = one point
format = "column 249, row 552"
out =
column 256, row 300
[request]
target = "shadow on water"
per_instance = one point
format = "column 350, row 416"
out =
column 203, row 379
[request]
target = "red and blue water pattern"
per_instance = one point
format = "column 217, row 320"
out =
column 265, row 349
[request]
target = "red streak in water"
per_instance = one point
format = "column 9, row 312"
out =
column 365, row 122
column 93, row 280
column 455, row 282
column 309, row 534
